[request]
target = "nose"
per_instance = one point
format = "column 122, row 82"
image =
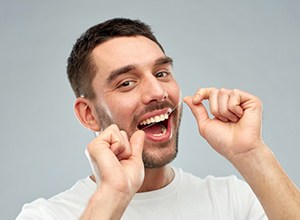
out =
column 153, row 90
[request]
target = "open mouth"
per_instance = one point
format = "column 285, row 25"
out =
column 155, row 126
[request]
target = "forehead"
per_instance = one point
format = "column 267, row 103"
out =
column 121, row 51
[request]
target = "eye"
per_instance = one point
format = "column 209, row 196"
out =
column 162, row 74
column 126, row 84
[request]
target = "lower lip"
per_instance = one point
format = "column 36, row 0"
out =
column 165, row 137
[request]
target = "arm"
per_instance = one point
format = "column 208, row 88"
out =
column 235, row 133
column 121, row 172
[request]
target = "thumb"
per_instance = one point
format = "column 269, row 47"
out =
column 137, row 143
column 198, row 110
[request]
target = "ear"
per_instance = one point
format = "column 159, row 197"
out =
column 85, row 114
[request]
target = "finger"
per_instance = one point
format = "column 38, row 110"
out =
column 202, row 94
column 213, row 98
column 234, row 103
column 223, row 99
column 112, row 135
column 210, row 94
column 126, row 151
column 198, row 110
column 137, row 143
column 99, row 152
column 247, row 101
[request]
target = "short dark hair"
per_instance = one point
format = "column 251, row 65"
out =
column 81, row 69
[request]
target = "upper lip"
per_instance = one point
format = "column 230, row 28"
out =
column 155, row 113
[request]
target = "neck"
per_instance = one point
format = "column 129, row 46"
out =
column 157, row 178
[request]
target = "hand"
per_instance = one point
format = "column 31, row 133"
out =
column 236, row 126
column 235, row 132
column 118, row 160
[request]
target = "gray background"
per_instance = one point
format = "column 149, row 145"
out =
column 251, row 45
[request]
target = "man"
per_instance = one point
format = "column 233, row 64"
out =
column 127, row 94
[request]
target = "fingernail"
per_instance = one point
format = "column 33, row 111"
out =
column 196, row 98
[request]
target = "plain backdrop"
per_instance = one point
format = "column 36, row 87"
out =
column 250, row 45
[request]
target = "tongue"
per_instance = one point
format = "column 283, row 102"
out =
column 155, row 129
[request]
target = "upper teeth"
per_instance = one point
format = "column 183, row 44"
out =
column 155, row 119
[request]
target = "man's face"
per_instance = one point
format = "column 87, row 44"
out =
column 134, row 85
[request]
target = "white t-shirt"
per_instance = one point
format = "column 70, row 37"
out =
column 186, row 197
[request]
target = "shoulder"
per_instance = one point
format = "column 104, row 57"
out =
column 215, row 189
column 224, row 193
column 66, row 205
column 216, row 183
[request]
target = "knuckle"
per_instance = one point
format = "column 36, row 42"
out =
column 259, row 103
column 214, row 90
column 231, row 106
column 113, row 127
column 119, row 149
column 223, row 112
column 91, row 148
column 215, row 112
column 201, row 92
column 223, row 91
column 236, row 91
column 118, row 143
column 257, row 100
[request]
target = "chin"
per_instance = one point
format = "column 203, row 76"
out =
column 160, row 154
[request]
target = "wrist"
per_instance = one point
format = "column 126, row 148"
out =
column 257, row 160
column 120, row 195
column 257, row 152
column 107, row 203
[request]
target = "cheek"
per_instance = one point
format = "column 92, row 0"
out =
column 123, row 108
column 174, row 93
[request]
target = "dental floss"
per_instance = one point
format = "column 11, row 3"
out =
column 167, row 113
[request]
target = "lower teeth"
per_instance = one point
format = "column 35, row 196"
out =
column 163, row 131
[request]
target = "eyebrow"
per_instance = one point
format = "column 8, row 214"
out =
column 125, row 69
column 163, row 60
